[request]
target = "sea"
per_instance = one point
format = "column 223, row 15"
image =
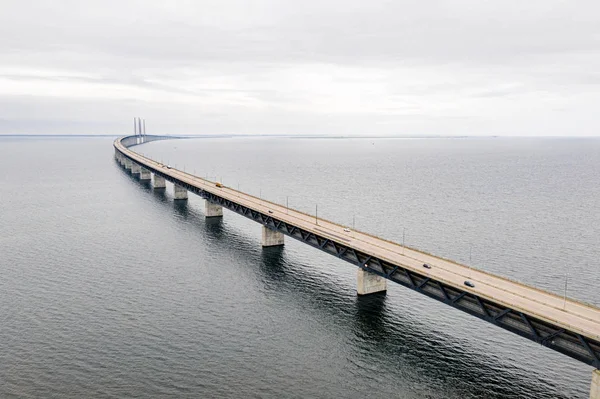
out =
column 111, row 289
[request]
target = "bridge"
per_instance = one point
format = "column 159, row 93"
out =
column 562, row 324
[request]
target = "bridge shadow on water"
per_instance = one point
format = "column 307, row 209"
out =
column 386, row 341
column 160, row 194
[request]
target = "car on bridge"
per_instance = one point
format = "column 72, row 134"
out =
column 469, row 284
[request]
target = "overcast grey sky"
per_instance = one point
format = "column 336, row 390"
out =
column 341, row 67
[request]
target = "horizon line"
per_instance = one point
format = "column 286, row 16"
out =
column 338, row 136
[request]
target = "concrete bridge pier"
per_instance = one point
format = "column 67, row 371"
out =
column 136, row 169
column 271, row 238
column 369, row 283
column 179, row 193
column 595, row 388
column 145, row 174
column 128, row 163
column 212, row 210
column 159, row 182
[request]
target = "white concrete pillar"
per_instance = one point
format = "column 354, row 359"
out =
column 595, row 389
column 212, row 210
column 145, row 174
column 136, row 168
column 159, row 181
column 179, row 193
column 128, row 163
column 369, row 283
column 271, row 238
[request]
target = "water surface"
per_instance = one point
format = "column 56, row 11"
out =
column 111, row 289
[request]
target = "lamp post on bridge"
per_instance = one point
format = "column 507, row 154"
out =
column 566, row 283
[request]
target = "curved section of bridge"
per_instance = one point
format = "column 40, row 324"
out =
column 567, row 326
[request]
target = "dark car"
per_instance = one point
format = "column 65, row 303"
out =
column 426, row 266
column 469, row 284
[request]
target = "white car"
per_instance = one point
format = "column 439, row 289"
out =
column 347, row 230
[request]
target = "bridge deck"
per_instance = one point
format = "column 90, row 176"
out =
column 575, row 316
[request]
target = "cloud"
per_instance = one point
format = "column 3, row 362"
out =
column 310, row 67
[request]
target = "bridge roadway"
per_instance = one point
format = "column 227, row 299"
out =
column 570, row 327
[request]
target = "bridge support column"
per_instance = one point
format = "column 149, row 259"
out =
column 159, row 181
column 212, row 210
column 179, row 193
column 136, row 169
column 128, row 163
column 595, row 389
column 271, row 238
column 369, row 283
column 145, row 174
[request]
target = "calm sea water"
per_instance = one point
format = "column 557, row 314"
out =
column 109, row 289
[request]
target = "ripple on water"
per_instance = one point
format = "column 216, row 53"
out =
column 110, row 289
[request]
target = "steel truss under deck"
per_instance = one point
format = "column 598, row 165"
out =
column 562, row 340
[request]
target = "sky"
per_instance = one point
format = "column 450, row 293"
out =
column 309, row 67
